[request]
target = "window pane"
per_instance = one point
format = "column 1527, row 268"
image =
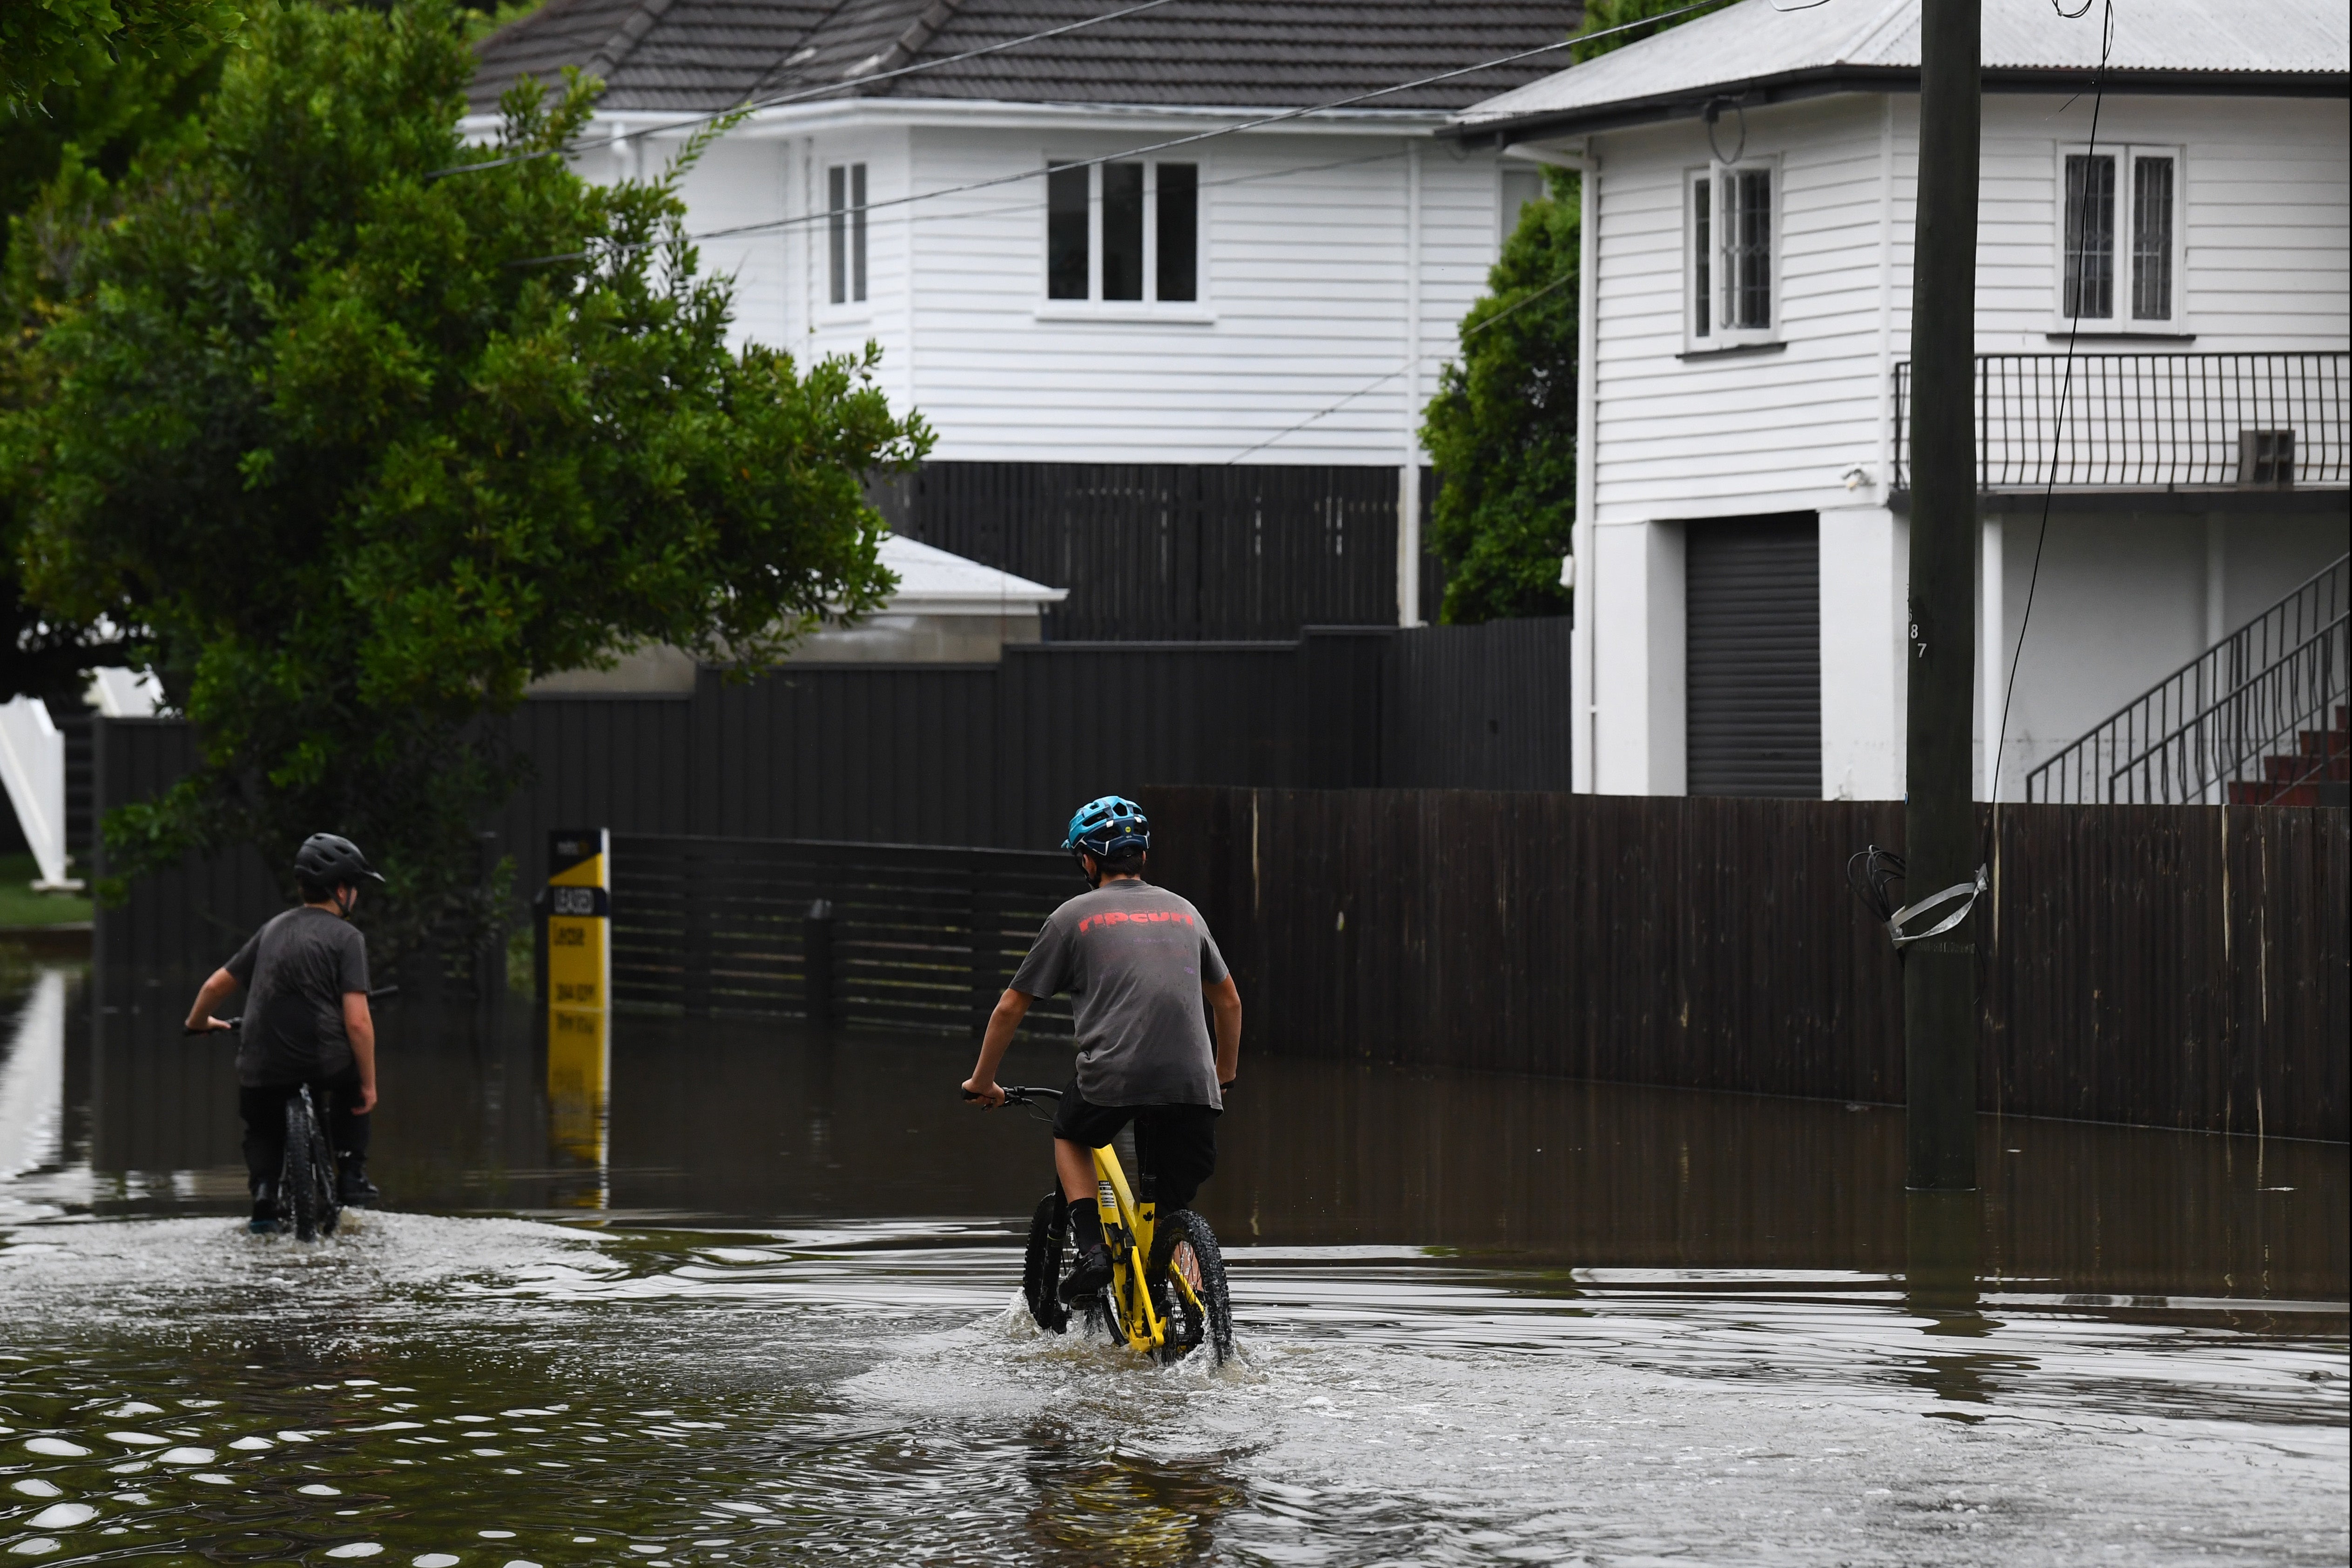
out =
column 1066, row 234
column 1179, row 231
column 1122, row 231
column 1748, row 248
column 1520, row 186
column 2152, row 239
column 857, row 230
column 837, row 191
column 1701, row 254
column 2090, row 286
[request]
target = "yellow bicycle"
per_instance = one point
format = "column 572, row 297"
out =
column 1166, row 1296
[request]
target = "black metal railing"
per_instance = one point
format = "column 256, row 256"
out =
column 2153, row 421
column 2220, row 719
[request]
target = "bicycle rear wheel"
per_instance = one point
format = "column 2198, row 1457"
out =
column 1184, row 1245
column 307, row 1186
column 298, row 1193
column 1041, row 1266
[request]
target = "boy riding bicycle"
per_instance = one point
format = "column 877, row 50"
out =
column 306, row 1022
column 1136, row 961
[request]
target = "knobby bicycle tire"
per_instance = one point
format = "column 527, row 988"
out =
column 322, row 1171
column 306, row 1183
column 1041, row 1266
column 297, row 1198
column 1184, row 1239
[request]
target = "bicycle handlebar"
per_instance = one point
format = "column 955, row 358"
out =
column 1021, row 1094
column 230, row 1025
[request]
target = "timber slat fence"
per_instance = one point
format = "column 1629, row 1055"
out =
column 2177, row 966
column 1172, row 551
column 898, row 934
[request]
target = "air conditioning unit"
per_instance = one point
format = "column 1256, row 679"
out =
column 2266, row 459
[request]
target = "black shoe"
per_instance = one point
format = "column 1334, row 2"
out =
column 352, row 1188
column 1088, row 1275
column 265, row 1209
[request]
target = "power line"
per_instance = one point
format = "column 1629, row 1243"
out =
column 1194, row 139
column 2066, row 389
column 805, row 93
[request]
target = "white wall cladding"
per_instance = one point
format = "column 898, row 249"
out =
column 2265, row 266
column 1741, row 432
column 2124, row 598
column 1306, row 284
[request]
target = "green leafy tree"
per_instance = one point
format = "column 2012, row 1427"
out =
column 1502, row 429
column 57, row 163
column 1604, row 16
column 359, row 450
column 47, row 43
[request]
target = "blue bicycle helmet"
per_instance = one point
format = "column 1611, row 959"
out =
column 1110, row 827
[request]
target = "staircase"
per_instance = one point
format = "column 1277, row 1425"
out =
column 2247, row 722
column 2317, row 772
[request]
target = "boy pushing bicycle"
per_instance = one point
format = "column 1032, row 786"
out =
column 306, row 1022
column 1136, row 961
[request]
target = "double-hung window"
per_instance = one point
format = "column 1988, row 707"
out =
column 1126, row 231
column 1731, row 226
column 2119, row 238
column 844, row 202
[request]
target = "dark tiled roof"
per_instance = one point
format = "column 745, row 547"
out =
column 692, row 55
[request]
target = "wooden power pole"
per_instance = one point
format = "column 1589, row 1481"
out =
column 1939, row 975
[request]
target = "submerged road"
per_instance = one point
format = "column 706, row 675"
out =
column 773, row 1318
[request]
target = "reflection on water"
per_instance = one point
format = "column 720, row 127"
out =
column 578, row 1103
column 1482, row 1319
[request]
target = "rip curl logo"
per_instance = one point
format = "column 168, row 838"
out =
column 1140, row 918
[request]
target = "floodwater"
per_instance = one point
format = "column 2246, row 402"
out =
column 765, row 1311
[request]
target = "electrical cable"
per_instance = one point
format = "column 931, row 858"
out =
column 1511, row 309
column 1262, row 176
column 752, row 104
column 1193, row 138
column 2065, row 385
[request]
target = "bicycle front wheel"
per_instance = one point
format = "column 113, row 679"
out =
column 1041, row 1266
column 322, row 1172
column 1188, row 1276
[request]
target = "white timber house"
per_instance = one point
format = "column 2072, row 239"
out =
column 1084, row 249
column 2176, row 274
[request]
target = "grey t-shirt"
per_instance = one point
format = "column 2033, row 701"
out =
column 1133, row 957
column 296, row 971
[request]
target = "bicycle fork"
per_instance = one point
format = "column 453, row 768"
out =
column 1128, row 1231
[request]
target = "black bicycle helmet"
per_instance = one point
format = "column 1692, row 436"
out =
column 329, row 860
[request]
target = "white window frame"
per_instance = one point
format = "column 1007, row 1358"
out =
column 1714, row 176
column 1094, row 307
column 2122, row 323
column 851, row 308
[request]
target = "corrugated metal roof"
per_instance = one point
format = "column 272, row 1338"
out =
column 700, row 55
column 1755, row 43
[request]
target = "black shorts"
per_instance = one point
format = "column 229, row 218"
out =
column 1176, row 1145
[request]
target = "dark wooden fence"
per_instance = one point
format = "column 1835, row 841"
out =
column 2178, row 967
column 892, row 935
column 991, row 756
column 1171, row 551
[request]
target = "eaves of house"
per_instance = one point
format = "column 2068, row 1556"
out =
column 699, row 56
column 1756, row 52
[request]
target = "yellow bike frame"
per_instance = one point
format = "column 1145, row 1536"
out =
column 1127, row 1227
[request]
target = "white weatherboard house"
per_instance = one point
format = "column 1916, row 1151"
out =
column 1065, row 251
column 1747, row 287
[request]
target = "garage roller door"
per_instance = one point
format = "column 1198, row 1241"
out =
column 1753, row 612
